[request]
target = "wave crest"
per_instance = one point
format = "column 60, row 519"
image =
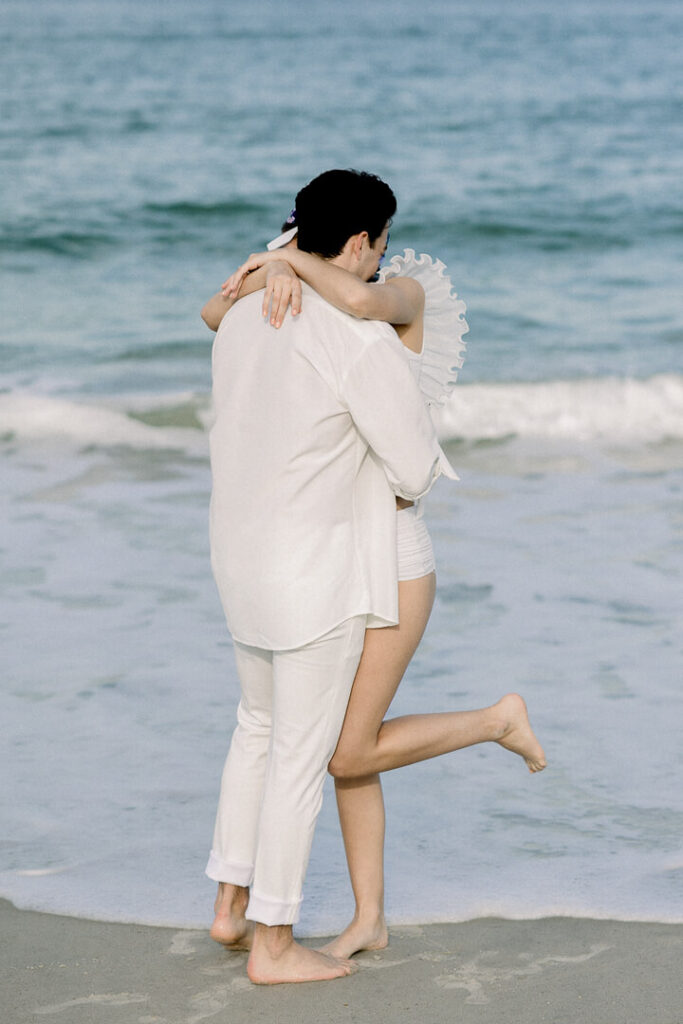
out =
column 612, row 410
column 175, row 422
column 599, row 409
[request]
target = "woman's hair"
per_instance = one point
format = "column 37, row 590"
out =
column 339, row 204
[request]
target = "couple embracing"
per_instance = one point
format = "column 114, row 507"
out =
column 321, row 449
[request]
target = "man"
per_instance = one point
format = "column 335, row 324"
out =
column 318, row 427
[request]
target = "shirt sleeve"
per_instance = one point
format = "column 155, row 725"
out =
column 386, row 405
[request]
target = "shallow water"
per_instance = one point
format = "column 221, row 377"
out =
column 147, row 148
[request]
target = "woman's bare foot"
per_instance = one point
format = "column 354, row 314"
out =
column 230, row 926
column 357, row 936
column 276, row 959
column 516, row 733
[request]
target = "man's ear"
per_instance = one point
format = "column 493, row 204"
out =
column 359, row 242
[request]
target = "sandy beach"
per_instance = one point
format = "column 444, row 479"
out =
column 551, row 971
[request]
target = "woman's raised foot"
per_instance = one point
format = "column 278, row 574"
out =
column 516, row 733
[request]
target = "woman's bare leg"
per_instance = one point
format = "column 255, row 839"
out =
column 359, row 800
column 361, row 814
column 368, row 745
column 412, row 738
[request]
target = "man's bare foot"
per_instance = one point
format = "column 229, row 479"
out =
column 284, row 961
column 230, row 926
column 517, row 734
column 358, row 936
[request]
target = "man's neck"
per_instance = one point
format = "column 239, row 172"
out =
column 347, row 261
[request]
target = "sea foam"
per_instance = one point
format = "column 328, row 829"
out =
column 30, row 418
column 610, row 409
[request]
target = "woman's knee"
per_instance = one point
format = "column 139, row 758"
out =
column 347, row 764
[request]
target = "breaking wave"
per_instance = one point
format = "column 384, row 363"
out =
column 611, row 410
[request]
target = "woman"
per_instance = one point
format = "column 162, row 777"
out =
column 415, row 297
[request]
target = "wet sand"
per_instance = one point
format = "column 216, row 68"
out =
column 555, row 971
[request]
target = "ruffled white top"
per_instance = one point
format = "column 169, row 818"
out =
column 443, row 349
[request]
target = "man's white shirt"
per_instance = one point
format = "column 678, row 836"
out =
column 318, row 425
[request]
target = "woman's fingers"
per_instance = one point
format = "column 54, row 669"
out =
column 296, row 296
column 267, row 298
column 281, row 292
column 234, row 282
column 282, row 288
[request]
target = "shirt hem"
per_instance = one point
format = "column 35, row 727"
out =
column 374, row 620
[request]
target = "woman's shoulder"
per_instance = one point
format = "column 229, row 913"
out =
column 444, row 321
column 406, row 283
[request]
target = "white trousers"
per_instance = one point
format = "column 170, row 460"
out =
column 288, row 722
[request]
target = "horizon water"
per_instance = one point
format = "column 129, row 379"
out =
column 146, row 150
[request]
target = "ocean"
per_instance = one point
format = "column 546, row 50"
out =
column 146, row 150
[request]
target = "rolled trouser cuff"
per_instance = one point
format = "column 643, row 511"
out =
column 223, row 871
column 271, row 912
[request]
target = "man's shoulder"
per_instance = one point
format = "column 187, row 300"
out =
column 246, row 311
column 319, row 325
column 325, row 313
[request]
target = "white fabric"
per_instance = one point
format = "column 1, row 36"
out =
column 289, row 719
column 436, row 366
column 316, row 426
column 413, row 544
column 282, row 240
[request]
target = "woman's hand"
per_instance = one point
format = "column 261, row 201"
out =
column 283, row 288
column 231, row 287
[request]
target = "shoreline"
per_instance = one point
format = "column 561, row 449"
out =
column 558, row 970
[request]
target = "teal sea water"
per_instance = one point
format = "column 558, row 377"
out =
column 145, row 149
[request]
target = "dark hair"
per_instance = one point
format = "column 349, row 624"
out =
column 338, row 204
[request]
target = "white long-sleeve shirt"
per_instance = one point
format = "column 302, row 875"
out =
column 317, row 426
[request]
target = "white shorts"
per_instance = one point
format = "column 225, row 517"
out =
column 415, row 552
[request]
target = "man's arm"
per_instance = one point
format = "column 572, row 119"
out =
column 283, row 288
column 389, row 411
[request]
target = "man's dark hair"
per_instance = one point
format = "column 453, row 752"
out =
column 338, row 204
